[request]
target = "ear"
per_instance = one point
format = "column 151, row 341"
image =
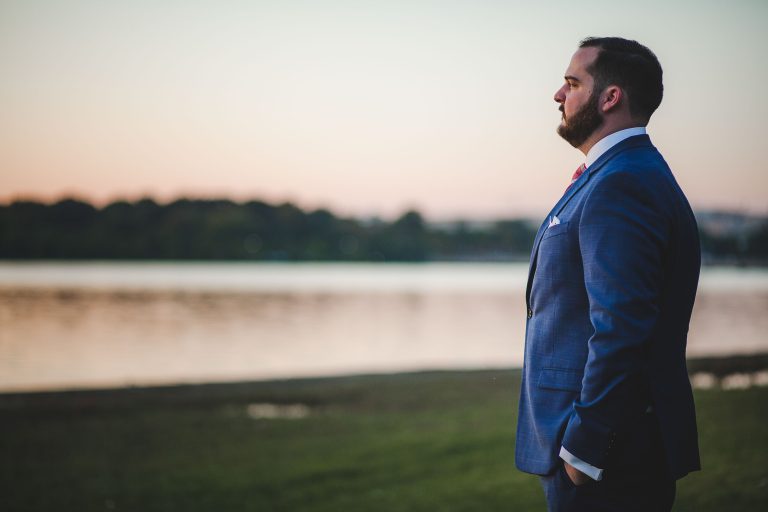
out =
column 611, row 98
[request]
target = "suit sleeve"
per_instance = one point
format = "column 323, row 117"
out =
column 622, row 235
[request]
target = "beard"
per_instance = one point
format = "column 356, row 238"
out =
column 577, row 128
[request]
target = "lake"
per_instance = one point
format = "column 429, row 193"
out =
column 70, row 325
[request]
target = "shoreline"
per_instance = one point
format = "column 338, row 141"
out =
column 207, row 392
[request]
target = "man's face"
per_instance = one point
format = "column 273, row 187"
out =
column 579, row 101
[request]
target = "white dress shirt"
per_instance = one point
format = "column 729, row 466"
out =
column 593, row 154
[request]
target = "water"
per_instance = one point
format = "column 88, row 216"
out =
column 112, row 324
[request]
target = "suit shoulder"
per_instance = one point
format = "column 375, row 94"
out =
column 636, row 170
column 639, row 177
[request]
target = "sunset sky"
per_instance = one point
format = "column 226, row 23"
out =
column 364, row 107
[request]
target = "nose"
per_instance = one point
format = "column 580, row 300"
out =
column 560, row 95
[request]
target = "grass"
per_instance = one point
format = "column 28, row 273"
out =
column 408, row 442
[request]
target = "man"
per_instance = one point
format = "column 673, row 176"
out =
column 606, row 409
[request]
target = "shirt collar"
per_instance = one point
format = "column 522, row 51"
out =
column 609, row 141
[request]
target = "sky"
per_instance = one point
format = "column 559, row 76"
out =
column 363, row 107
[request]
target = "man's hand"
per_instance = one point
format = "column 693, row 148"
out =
column 576, row 476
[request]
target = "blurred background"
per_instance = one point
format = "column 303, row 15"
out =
column 209, row 191
column 334, row 131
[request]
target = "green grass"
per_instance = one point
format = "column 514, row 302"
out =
column 437, row 441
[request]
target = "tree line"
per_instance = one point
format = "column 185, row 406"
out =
column 221, row 229
column 188, row 229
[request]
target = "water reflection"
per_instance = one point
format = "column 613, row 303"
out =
column 52, row 337
column 95, row 336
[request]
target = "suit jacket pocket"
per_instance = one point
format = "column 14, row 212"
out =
column 565, row 379
column 557, row 229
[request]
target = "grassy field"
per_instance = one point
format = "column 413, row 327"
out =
column 435, row 441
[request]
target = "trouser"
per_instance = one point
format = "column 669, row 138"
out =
column 636, row 479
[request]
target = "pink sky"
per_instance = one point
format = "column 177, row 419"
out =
column 361, row 107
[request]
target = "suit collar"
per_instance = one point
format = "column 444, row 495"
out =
column 630, row 142
column 610, row 140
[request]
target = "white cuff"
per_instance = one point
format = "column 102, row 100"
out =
column 588, row 469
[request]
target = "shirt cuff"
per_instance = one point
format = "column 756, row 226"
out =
column 588, row 469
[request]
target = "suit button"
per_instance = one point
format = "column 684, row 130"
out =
column 530, row 312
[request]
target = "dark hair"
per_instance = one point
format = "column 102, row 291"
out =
column 631, row 66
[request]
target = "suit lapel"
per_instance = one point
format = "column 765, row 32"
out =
column 558, row 207
column 637, row 140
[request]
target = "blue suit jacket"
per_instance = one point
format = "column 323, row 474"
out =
column 610, row 293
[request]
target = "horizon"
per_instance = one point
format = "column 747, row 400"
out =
column 448, row 219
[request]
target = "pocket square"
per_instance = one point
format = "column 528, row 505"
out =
column 553, row 221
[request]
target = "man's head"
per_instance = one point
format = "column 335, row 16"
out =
column 610, row 84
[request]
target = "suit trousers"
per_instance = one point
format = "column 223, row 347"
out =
column 637, row 479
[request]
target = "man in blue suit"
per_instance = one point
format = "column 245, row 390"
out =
column 606, row 409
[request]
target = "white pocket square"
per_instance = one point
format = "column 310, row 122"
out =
column 553, row 221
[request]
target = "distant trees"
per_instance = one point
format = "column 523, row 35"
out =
column 758, row 242
column 188, row 229
column 744, row 246
column 221, row 229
